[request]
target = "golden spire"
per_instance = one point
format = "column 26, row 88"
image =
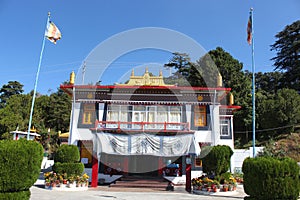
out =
column 160, row 73
column 231, row 99
column 72, row 78
column 132, row 72
column 219, row 80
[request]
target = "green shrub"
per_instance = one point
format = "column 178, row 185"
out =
column 15, row 195
column 267, row 178
column 217, row 160
column 67, row 154
column 20, row 165
column 69, row 168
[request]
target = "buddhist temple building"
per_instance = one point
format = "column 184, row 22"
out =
column 148, row 127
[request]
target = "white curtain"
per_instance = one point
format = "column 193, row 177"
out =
column 145, row 144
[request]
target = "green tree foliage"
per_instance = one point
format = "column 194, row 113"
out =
column 49, row 112
column 268, row 82
column 203, row 73
column 287, row 59
column 181, row 62
column 283, row 110
column 59, row 112
column 8, row 90
column 15, row 114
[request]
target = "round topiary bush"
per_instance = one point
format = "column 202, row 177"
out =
column 20, row 165
column 216, row 159
column 67, row 154
column 267, row 178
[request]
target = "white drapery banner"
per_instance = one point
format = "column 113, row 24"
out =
column 145, row 144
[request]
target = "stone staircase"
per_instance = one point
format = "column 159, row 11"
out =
column 155, row 183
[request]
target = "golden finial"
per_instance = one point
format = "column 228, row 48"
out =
column 231, row 99
column 219, row 80
column 132, row 72
column 72, row 78
column 160, row 73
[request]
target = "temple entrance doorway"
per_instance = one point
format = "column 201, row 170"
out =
column 143, row 165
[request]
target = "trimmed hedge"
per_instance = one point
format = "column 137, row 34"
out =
column 20, row 165
column 267, row 178
column 69, row 168
column 67, row 154
column 217, row 160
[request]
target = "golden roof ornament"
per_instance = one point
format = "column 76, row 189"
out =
column 219, row 80
column 146, row 79
column 72, row 78
column 231, row 99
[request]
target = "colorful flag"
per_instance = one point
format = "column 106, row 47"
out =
column 52, row 33
column 249, row 30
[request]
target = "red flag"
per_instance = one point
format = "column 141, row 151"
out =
column 249, row 30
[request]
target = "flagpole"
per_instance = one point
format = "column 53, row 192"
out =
column 36, row 80
column 253, row 84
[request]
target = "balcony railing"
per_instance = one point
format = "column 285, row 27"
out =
column 142, row 126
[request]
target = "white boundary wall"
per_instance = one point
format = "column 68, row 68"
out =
column 239, row 155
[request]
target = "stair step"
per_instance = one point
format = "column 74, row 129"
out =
column 141, row 182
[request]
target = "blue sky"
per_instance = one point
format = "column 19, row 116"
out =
column 85, row 24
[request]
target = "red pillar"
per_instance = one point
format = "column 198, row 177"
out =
column 188, row 184
column 125, row 165
column 95, row 168
column 160, row 166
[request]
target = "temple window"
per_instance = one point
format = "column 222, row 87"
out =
column 88, row 114
column 200, row 116
column 144, row 113
column 225, row 130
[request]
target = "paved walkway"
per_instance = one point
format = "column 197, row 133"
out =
column 106, row 193
column 38, row 192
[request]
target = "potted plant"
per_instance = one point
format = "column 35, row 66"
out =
column 65, row 178
column 225, row 188
column 71, row 182
column 85, row 179
column 47, row 183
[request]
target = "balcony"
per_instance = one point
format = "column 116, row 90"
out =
column 142, row 127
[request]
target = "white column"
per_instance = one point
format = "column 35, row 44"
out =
column 188, row 112
column 101, row 111
column 215, row 124
column 74, row 133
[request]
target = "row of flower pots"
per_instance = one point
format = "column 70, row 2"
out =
column 65, row 185
column 55, row 180
column 221, row 188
